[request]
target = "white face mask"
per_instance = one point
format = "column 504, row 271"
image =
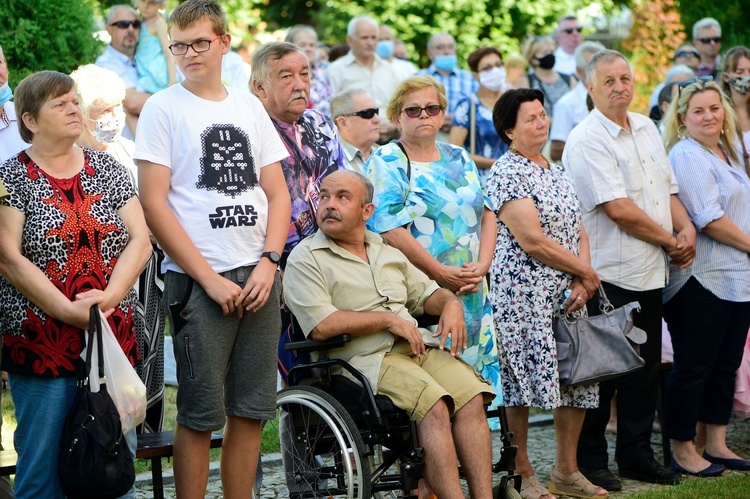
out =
column 108, row 129
column 493, row 79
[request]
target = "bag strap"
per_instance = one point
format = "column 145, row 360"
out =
column 408, row 161
column 473, row 127
column 95, row 331
column 604, row 303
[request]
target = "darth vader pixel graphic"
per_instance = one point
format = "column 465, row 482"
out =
column 227, row 164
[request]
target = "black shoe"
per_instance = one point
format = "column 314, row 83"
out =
column 730, row 464
column 712, row 470
column 602, row 478
column 651, row 471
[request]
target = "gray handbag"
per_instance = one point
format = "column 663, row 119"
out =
column 598, row 348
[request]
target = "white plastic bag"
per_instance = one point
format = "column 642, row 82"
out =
column 123, row 384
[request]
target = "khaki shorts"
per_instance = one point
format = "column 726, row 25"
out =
column 415, row 384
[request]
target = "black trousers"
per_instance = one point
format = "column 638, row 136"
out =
column 636, row 392
column 708, row 336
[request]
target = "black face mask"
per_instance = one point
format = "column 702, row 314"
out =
column 547, row 62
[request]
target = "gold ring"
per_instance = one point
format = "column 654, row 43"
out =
column 578, row 298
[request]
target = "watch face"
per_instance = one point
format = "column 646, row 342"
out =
column 273, row 256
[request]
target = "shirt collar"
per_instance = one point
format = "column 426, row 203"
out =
column 613, row 128
column 435, row 71
column 350, row 151
column 116, row 54
column 320, row 241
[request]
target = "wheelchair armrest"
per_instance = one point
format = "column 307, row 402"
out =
column 427, row 320
column 315, row 345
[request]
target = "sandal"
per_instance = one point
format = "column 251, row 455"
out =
column 575, row 485
column 531, row 488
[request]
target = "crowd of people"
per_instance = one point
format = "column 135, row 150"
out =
column 376, row 191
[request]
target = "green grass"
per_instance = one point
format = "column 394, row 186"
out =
column 734, row 486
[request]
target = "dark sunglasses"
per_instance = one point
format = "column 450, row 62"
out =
column 687, row 83
column 366, row 114
column 416, row 112
column 126, row 24
column 571, row 30
column 715, row 39
column 686, row 53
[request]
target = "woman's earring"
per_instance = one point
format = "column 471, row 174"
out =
column 682, row 132
column 513, row 146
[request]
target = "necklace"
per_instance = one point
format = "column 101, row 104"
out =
column 418, row 155
column 546, row 165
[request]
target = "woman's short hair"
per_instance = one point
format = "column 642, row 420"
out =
column 410, row 85
column 479, row 54
column 297, row 29
column 505, row 113
column 97, row 87
column 532, row 46
column 190, row 12
column 674, row 130
column 34, row 91
column 731, row 60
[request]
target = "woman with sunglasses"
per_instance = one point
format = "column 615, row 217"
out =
column 429, row 204
column 472, row 118
column 707, row 305
column 540, row 267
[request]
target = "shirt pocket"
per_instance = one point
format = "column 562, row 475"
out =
column 662, row 165
column 633, row 174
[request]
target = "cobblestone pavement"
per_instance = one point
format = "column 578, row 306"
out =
column 541, row 450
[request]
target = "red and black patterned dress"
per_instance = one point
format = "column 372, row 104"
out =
column 73, row 234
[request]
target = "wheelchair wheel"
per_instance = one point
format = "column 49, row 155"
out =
column 509, row 493
column 321, row 447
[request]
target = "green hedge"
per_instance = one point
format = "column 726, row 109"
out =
column 47, row 35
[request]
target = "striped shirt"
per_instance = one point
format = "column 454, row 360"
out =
column 458, row 84
column 709, row 190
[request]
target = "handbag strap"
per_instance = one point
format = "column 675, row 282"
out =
column 604, row 304
column 473, row 127
column 95, row 331
column 408, row 161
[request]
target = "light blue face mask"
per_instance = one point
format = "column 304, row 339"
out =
column 384, row 48
column 446, row 62
column 6, row 94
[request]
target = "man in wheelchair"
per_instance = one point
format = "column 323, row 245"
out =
column 347, row 280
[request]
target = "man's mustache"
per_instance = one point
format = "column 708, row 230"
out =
column 298, row 95
column 330, row 214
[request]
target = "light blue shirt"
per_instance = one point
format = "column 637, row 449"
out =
column 121, row 64
column 710, row 189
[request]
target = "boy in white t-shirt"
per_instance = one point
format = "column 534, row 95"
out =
column 215, row 198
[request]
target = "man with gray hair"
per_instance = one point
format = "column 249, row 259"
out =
column 356, row 116
column 635, row 225
column 362, row 68
column 124, row 29
column 676, row 74
column 568, row 37
column 571, row 109
column 707, row 39
column 458, row 83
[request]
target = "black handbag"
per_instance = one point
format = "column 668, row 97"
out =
column 94, row 460
column 598, row 348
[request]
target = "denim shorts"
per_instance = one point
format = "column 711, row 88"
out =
column 226, row 366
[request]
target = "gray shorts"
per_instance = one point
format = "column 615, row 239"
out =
column 225, row 366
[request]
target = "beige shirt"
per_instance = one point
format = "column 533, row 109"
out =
column 322, row 278
column 347, row 73
column 607, row 162
column 354, row 157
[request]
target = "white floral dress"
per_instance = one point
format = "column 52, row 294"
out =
column 526, row 293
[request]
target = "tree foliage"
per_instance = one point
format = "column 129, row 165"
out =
column 501, row 23
column 656, row 33
column 47, row 34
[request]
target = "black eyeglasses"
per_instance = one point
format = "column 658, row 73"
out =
column 687, row 83
column 706, row 41
column 366, row 114
column 416, row 112
column 571, row 30
column 198, row 46
column 686, row 53
column 136, row 24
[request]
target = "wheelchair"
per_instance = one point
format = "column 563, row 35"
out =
column 341, row 440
